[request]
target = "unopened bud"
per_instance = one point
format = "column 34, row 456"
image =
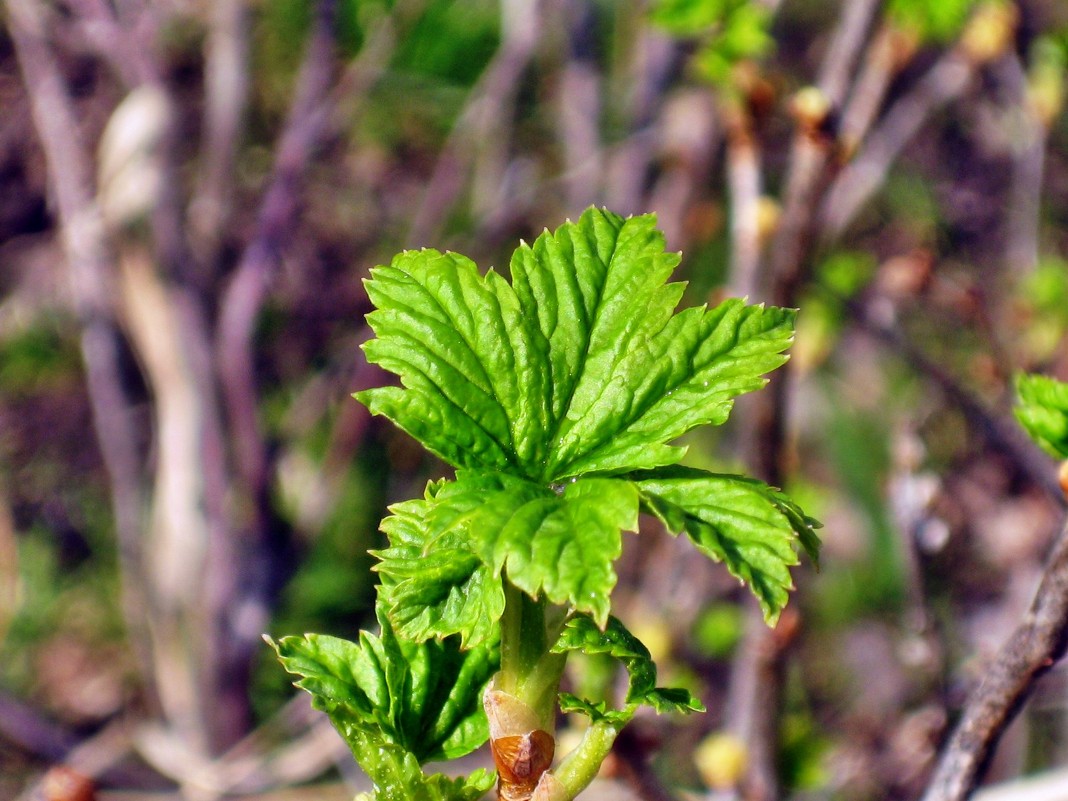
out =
column 811, row 108
column 768, row 213
column 66, row 784
column 989, row 33
column 721, row 759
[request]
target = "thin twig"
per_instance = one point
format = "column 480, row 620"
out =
column 858, row 181
column 1028, row 161
column 888, row 51
column 755, row 702
column 89, row 274
column 1032, row 649
column 809, row 175
column 226, row 88
column 1002, row 434
column 838, row 68
column 244, row 297
column 244, row 565
column 578, row 109
column 481, row 125
column 744, row 181
column 647, row 73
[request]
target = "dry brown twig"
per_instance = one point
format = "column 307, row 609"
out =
column 482, row 133
column 753, row 710
column 88, row 265
column 866, row 173
column 1038, row 642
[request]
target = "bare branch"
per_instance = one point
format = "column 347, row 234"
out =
column 226, row 79
column 809, row 177
column 744, row 180
column 1028, row 162
column 302, row 136
column 89, row 274
column 889, row 50
column 1032, row 649
column 848, row 43
column 858, row 181
column 578, row 108
column 753, row 703
column 482, row 126
column 628, row 165
column 1003, row 435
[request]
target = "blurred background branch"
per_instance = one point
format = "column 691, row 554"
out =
column 191, row 195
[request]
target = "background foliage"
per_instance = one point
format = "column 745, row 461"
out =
column 182, row 468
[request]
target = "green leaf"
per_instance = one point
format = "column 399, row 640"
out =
column 629, row 375
column 1043, row 411
column 472, row 368
column 572, row 704
column 580, row 365
column 937, row 22
column 424, row 698
column 581, row 633
column 750, row 527
column 433, row 584
column 560, row 543
column 728, row 31
column 397, row 776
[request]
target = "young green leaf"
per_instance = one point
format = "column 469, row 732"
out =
column 750, row 527
column 560, row 544
column 397, row 776
column 1043, row 412
column 582, row 633
column 433, row 584
column 628, row 374
column 580, row 365
column 726, row 31
column 422, row 697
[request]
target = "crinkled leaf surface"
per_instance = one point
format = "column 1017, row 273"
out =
column 397, row 776
column 422, row 697
column 750, row 527
column 442, row 571
column 579, row 365
column 433, row 583
column 1043, row 411
column 582, row 633
column 562, row 543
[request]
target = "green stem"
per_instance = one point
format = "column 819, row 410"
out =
column 529, row 628
column 580, row 767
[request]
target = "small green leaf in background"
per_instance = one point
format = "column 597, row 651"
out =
column 1043, row 411
column 750, row 527
column 729, row 31
column 581, row 633
column 938, row 22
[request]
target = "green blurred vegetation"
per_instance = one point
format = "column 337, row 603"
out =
column 925, row 257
